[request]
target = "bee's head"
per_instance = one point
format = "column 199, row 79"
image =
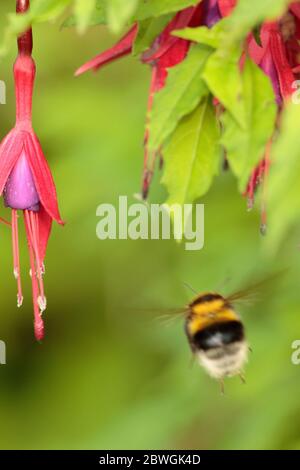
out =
column 207, row 297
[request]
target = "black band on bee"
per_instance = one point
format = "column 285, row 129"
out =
column 218, row 335
column 206, row 298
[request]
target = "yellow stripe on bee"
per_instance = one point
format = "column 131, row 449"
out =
column 205, row 307
column 202, row 318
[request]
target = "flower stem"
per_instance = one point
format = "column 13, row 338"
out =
column 25, row 39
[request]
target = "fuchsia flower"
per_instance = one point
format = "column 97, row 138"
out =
column 279, row 57
column 226, row 6
column 26, row 181
column 277, row 54
column 166, row 52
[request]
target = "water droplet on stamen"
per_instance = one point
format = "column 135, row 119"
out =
column 263, row 229
column 16, row 273
column 19, row 301
column 42, row 303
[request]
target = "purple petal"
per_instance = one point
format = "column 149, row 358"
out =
column 20, row 191
column 212, row 13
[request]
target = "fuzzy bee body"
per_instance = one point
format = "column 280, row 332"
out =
column 216, row 335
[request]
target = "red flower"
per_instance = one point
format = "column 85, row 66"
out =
column 278, row 56
column 121, row 49
column 166, row 52
column 26, row 182
column 226, row 6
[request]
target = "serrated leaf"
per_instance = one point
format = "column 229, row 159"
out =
column 154, row 8
column 148, row 30
column 83, row 13
column 283, row 183
column 245, row 146
column 97, row 16
column 193, row 155
column 212, row 37
column 119, row 12
column 46, row 10
column 40, row 11
column 247, row 15
column 223, row 78
column 227, row 33
column 182, row 93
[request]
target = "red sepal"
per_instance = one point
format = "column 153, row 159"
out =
column 226, row 6
column 42, row 177
column 122, row 48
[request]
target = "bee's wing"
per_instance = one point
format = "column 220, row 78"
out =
column 245, row 296
column 254, row 292
column 168, row 316
column 165, row 316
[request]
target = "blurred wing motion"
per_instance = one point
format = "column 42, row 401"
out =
column 216, row 332
column 254, row 292
column 164, row 316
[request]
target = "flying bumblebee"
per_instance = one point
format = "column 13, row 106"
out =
column 215, row 331
column 216, row 335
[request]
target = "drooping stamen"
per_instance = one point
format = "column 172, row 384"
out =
column 16, row 255
column 256, row 178
column 250, row 192
column 267, row 163
column 149, row 157
column 33, row 231
column 39, row 265
column 38, row 321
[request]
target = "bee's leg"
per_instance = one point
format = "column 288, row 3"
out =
column 221, row 381
column 242, row 377
column 250, row 349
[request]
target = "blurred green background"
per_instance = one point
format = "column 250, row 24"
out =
column 107, row 375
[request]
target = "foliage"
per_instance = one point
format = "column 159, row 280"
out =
column 107, row 377
column 212, row 68
column 196, row 137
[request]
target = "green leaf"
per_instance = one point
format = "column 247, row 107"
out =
column 96, row 17
column 182, row 93
column 154, row 8
column 246, row 146
column 248, row 14
column 283, row 184
column 227, row 33
column 119, row 12
column 223, row 77
column 40, row 11
column 193, row 155
column 148, row 30
column 83, row 12
column 45, row 10
column 212, row 37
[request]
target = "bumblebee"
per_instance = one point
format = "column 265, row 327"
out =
column 216, row 335
column 215, row 331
